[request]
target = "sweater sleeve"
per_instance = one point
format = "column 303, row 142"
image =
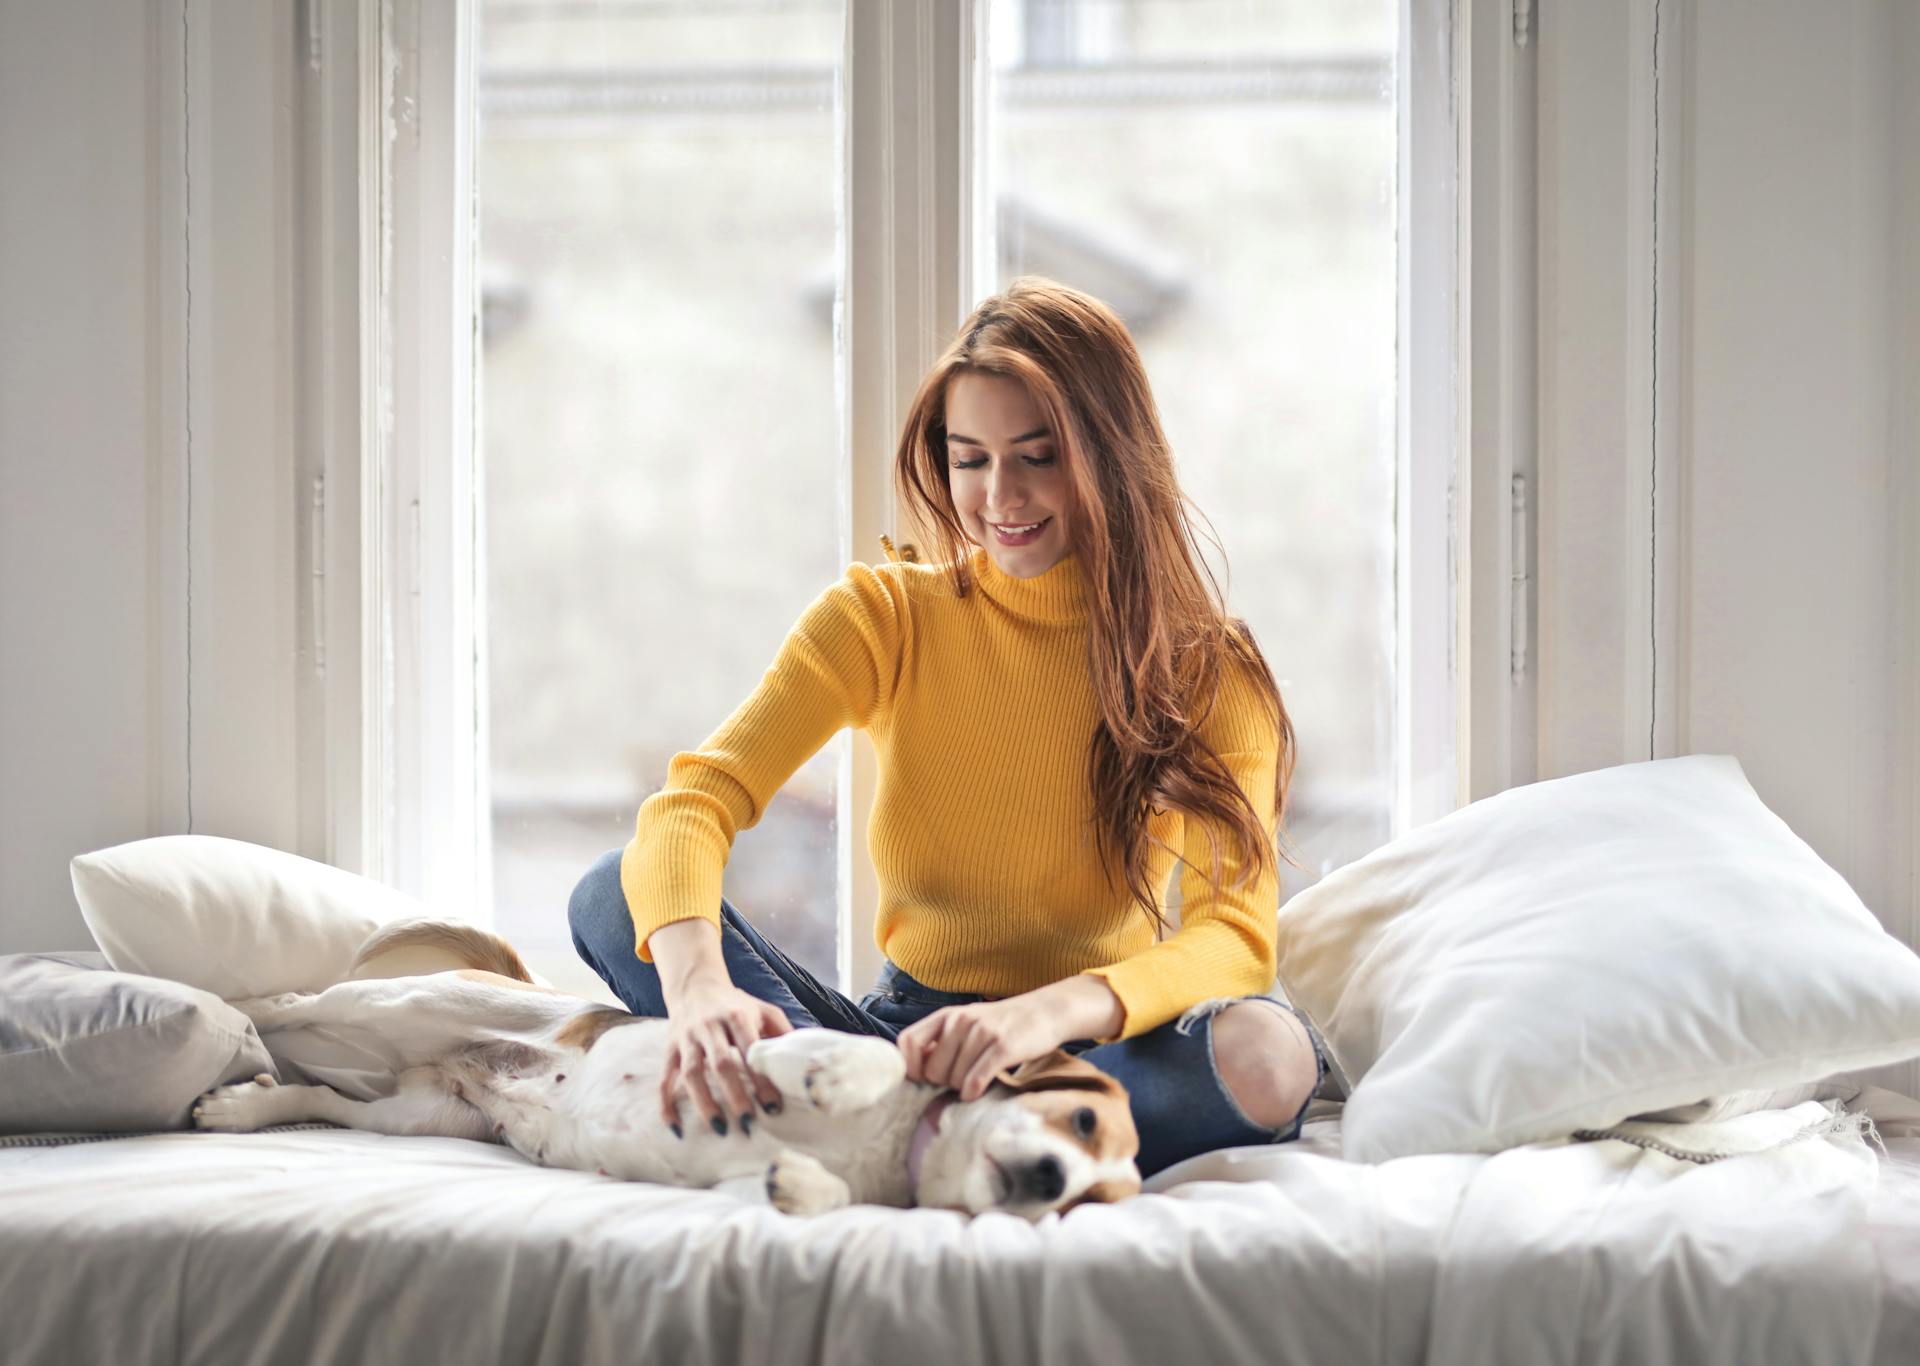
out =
column 837, row 668
column 1226, row 943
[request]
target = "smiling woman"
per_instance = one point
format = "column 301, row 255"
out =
column 1060, row 714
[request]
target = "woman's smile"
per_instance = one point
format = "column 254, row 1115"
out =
column 1004, row 471
column 1027, row 537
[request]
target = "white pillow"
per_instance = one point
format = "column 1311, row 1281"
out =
column 229, row 917
column 1570, row 953
column 240, row 920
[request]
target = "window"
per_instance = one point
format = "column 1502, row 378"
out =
column 682, row 397
column 1222, row 173
column 659, row 427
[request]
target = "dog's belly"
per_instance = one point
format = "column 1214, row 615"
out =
column 600, row 1111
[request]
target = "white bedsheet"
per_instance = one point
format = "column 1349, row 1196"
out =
column 323, row 1246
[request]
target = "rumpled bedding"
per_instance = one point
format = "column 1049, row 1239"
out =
column 312, row 1244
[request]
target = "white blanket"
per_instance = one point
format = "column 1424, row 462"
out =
column 321, row 1245
column 1731, row 1242
column 1624, row 1253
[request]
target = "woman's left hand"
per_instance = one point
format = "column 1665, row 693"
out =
column 964, row 1046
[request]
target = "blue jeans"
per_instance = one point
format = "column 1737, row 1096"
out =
column 1180, row 1105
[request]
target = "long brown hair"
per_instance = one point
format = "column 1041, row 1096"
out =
column 1159, row 639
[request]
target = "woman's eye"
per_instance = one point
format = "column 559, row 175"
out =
column 976, row 464
column 1083, row 1121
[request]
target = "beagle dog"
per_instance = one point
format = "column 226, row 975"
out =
column 486, row 1053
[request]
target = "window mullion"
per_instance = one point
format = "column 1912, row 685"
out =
column 908, row 263
column 423, row 792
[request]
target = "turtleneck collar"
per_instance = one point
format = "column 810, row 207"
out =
column 1058, row 596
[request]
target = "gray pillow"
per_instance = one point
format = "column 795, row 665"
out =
column 89, row 1050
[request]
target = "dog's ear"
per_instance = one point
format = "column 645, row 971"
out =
column 1060, row 1070
column 1108, row 1192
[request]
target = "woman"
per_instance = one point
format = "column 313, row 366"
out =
column 1056, row 703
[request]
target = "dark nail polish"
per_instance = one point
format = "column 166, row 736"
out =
column 676, row 1130
column 772, row 1107
column 719, row 1126
column 746, row 1124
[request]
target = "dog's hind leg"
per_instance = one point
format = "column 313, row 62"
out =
column 797, row 1183
column 424, row 1104
column 423, row 1018
column 793, row 1183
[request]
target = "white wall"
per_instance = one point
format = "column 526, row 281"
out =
column 1792, row 615
column 77, row 351
column 96, row 504
column 1787, row 315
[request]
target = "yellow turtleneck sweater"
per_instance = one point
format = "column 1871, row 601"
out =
column 981, row 710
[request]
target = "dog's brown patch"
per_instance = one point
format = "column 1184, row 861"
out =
column 1058, row 1085
column 494, row 979
column 583, row 1031
column 445, row 943
column 1104, row 1193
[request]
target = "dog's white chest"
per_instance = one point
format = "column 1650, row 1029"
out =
column 600, row 1111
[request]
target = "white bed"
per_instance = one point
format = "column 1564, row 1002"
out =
column 317, row 1245
column 1489, row 979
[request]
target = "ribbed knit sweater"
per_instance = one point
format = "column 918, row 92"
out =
column 981, row 710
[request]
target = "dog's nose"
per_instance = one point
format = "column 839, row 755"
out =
column 1045, row 1179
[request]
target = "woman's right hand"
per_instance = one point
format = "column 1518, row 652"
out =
column 709, row 1028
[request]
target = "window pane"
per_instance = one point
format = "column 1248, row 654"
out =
column 1222, row 173
column 658, row 428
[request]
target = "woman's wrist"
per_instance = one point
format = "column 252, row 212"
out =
column 1083, row 1007
column 686, row 954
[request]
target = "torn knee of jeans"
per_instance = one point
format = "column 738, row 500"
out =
column 1202, row 1011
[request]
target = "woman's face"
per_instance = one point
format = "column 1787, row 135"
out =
column 1003, row 466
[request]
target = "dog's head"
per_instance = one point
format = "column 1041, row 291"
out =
column 1048, row 1135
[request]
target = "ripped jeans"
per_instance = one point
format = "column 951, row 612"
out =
column 1180, row 1106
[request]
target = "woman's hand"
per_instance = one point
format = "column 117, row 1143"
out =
column 964, row 1046
column 709, row 1028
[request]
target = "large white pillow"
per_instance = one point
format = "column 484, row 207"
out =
column 240, row 920
column 1574, row 952
column 229, row 917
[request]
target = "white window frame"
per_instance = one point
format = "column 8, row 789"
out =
column 1495, row 388
column 406, row 783
column 1427, row 619
column 913, row 72
column 416, row 813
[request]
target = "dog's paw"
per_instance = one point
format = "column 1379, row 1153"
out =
column 834, row 1075
column 798, row 1184
column 242, row 1107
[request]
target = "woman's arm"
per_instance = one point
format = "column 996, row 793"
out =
column 1085, row 1008
column 836, row 669
column 686, row 953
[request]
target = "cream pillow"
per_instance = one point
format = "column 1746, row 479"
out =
column 1574, row 952
column 229, row 917
column 241, row 920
